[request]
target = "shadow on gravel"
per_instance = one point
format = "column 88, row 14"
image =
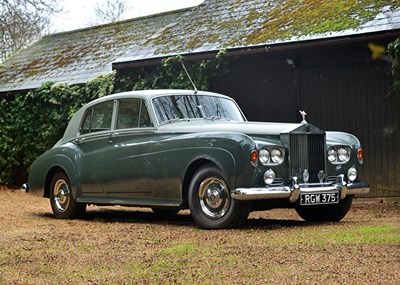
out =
column 180, row 219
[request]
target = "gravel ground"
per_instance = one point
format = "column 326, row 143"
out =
column 116, row 245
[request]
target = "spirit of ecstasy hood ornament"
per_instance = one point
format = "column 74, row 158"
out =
column 303, row 115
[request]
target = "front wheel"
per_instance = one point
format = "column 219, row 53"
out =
column 325, row 213
column 62, row 202
column 210, row 202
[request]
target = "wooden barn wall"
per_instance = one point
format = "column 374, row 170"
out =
column 340, row 88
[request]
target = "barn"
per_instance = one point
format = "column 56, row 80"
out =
column 283, row 56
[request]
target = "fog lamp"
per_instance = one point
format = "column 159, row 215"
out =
column 352, row 174
column 269, row 176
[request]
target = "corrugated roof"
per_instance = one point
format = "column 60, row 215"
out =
column 78, row 56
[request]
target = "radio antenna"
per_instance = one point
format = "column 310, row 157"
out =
column 191, row 81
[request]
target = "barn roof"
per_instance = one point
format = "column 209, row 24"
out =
column 78, row 56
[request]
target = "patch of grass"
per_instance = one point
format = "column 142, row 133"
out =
column 178, row 249
column 327, row 235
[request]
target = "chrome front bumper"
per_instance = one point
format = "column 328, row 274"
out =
column 293, row 192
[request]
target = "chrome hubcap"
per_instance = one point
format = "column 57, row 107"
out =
column 61, row 195
column 214, row 197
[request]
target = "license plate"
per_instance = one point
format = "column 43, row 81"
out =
column 319, row 198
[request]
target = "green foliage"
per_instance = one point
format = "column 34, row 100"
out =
column 171, row 75
column 394, row 53
column 32, row 123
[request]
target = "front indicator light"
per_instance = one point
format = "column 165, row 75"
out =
column 360, row 156
column 254, row 158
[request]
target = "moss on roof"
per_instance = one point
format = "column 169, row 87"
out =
column 78, row 56
column 293, row 18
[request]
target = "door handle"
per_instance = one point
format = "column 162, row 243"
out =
column 79, row 140
column 112, row 136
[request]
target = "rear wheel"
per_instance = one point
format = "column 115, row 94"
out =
column 325, row 213
column 210, row 202
column 62, row 202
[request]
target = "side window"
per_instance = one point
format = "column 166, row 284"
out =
column 132, row 113
column 98, row 118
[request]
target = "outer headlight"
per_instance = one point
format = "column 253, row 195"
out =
column 277, row 156
column 264, row 156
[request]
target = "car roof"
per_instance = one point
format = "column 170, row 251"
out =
column 72, row 127
column 149, row 94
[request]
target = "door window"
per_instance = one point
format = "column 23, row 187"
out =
column 98, row 118
column 132, row 113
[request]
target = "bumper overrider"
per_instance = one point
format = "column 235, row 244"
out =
column 293, row 191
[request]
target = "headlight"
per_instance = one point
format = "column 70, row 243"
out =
column 332, row 155
column 343, row 154
column 271, row 155
column 339, row 154
column 277, row 156
column 264, row 156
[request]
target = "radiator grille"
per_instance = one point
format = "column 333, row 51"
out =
column 307, row 151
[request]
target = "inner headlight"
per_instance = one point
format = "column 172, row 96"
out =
column 277, row 156
column 332, row 155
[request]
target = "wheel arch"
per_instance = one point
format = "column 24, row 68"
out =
column 66, row 166
column 191, row 170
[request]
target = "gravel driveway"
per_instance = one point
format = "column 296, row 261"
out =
column 116, row 245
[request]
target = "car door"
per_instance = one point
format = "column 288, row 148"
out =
column 92, row 141
column 126, row 165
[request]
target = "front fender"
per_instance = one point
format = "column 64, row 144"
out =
column 230, row 152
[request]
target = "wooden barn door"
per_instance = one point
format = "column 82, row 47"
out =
column 358, row 98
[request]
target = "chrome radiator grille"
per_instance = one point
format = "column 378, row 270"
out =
column 307, row 151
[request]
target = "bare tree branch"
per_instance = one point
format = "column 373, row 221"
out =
column 109, row 12
column 22, row 22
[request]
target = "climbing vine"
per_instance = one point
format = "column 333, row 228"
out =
column 394, row 53
column 33, row 122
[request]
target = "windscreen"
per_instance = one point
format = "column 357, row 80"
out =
column 176, row 107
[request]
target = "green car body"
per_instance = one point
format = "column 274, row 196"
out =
column 183, row 150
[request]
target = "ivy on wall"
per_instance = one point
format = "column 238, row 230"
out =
column 394, row 53
column 33, row 122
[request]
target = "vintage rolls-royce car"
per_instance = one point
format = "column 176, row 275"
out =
column 174, row 149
